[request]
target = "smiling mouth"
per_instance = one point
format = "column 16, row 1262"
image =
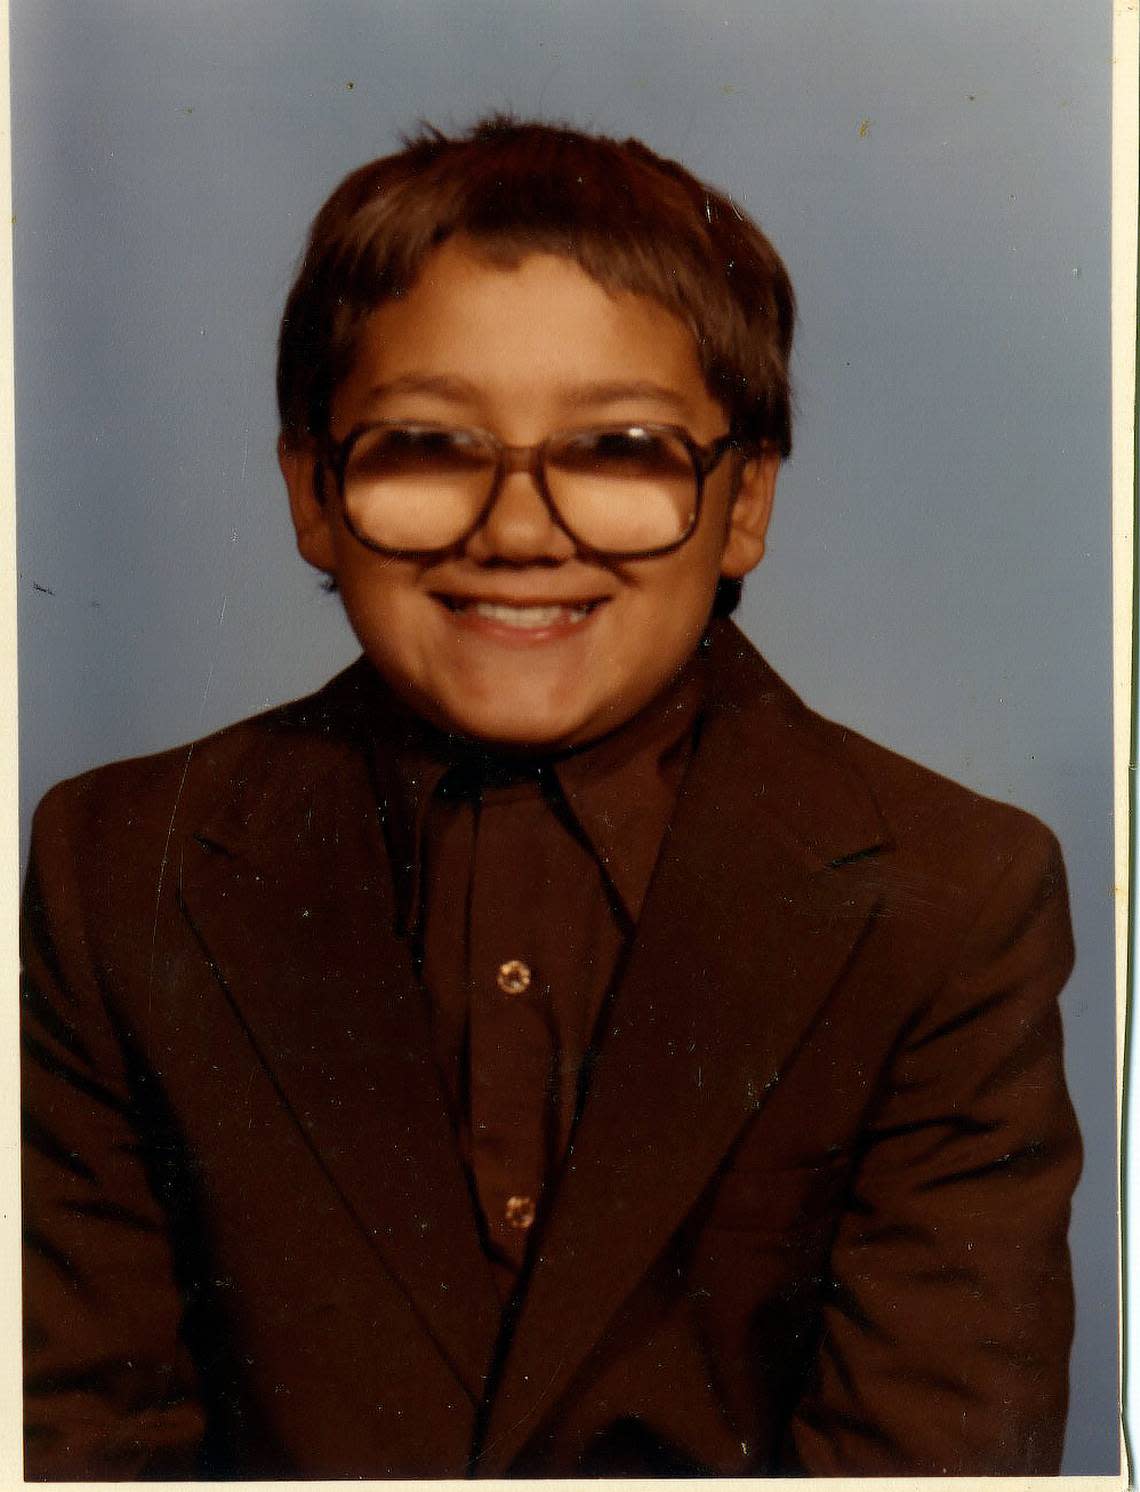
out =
column 529, row 617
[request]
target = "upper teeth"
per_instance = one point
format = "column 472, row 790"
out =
column 528, row 616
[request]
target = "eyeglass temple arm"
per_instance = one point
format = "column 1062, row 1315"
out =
column 710, row 456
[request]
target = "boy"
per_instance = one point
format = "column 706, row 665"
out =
column 550, row 1049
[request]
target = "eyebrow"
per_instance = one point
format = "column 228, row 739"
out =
column 580, row 396
column 440, row 384
column 618, row 391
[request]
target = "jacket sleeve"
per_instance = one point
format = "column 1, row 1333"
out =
column 109, row 1391
column 948, row 1310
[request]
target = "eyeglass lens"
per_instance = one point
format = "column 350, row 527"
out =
column 622, row 491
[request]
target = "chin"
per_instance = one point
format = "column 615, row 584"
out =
column 519, row 730
column 518, row 735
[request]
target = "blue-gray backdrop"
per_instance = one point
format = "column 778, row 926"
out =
column 936, row 176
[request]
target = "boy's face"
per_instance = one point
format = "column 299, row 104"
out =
column 523, row 352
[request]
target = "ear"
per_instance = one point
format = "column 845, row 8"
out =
column 750, row 515
column 312, row 517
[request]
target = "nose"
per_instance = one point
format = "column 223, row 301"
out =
column 519, row 528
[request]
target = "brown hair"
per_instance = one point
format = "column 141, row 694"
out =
column 632, row 220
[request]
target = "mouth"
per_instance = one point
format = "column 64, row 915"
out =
column 528, row 616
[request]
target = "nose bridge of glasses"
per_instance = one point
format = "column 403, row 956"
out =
column 525, row 461
column 521, row 513
column 528, row 459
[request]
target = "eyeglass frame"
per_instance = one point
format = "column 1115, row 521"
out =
column 532, row 460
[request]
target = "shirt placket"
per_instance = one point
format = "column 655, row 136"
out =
column 511, row 1038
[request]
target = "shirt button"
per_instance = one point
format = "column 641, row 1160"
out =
column 519, row 1213
column 513, row 977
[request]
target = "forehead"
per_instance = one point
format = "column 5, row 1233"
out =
column 540, row 331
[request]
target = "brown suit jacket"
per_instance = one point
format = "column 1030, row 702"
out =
column 814, row 1213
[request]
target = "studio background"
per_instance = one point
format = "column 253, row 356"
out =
column 936, row 177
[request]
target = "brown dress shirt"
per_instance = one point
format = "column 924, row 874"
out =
column 521, row 882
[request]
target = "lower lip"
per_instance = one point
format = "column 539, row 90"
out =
column 477, row 625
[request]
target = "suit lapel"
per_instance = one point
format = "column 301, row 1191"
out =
column 748, row 923
column 294, row 907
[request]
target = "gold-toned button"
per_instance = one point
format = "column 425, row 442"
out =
column 519, row 1213
column 513, row 977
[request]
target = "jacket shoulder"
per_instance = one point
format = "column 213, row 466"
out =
column 918, row 802
column 829, row 772
column 136, row 798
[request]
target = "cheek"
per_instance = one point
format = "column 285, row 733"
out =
column 381, row 606
column 662, row 625
column 683, row 590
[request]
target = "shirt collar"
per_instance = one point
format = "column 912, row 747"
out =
column 620, row 789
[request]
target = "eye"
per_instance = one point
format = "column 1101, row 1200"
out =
column 415, row 450
column 628, row 451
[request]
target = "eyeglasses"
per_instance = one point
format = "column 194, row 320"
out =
column 619, row 491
